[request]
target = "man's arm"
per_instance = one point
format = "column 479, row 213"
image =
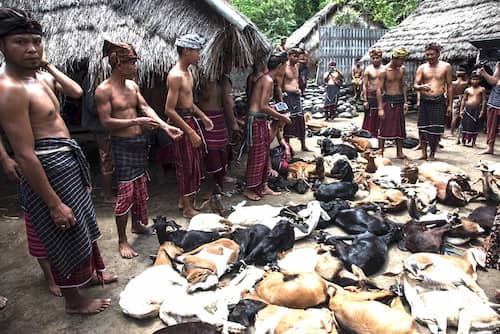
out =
column 380, row 88
column 63, row 83
column 364, row 88
column 104, row 108
column 449, row 89
column 491, row 79
column 280, row 82
column 462, row 102
column 404, row 87
column 228, row 104
column 483, row 102
column 417, row 85
column 16, row 123
column 264, row 103
column 8, row 164
column 174, row 83
column 144, row 107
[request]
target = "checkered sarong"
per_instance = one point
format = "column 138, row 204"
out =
column 68, row 174
column 130, row 155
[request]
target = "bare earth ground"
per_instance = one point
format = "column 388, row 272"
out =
column 32, row 309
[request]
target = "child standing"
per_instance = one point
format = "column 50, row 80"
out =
column 472, row 109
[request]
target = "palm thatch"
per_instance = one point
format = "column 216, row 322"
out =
column 74, row 31
column 452, row 23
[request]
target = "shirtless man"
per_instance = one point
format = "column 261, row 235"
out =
column 303, row 71
column 291, row 93
column 392, row 98
column 459, row 86
column 281, row 47
column 433, row 80
column 332, row 79
column 118, row 101
column 493, row 111
column 357, row 78
column 258, row 165
column 61, row 224
column 180, row 109
column 472, row 109
column 371, row 81
column 215, row 100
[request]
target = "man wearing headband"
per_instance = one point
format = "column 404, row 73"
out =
column 357, row 78
column 258, row 164
column 493, row 112
column 459, row 85
column 371, row 81
column 433, row 80
column 472, row 108
column 118, row 102
column 181, row 111
column 392, row 99
column 332, row 79
column 291, row 96
column 55, row 182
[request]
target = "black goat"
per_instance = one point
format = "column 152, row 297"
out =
column 329, row 148
column 362, row 133
column 331, row 191
column 244, row 312
column 358, row 220
column 168, row 230
column 248, row 238
column 190, row 328
column 484, row 216
column 342, row 170
column 367, row 251
column 420, row 237
column 332, row 208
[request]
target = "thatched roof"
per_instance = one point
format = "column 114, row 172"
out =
column 74, row 31
column 452, row 23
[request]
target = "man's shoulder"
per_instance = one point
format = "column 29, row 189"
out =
column 103, row 88
column 11, row 88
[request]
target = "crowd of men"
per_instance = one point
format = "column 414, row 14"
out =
column 53, row 173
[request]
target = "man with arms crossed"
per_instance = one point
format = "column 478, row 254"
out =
column 181, row 110
column 433, row 80
column 55, row 183
column 118, row 100
column 291, row 94
column 392, row 98
column 371, row 81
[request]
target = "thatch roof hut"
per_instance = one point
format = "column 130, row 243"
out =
column 452, row 23
column 74, row 31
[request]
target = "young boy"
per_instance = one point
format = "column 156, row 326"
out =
column 472, row 109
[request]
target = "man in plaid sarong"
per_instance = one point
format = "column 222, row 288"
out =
column 433, row 81
column 54, row 188
column 118, row 101
column 181, row 110
column 258, row 165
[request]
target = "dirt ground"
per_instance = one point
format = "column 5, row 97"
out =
column 32, row 309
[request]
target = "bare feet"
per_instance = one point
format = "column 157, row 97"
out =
column 251, row 195
column 88, row 306
column 3, row 302
column 486, row 151
column 106, row 279
column 268, row 191
column 138, row 228
column 189, row 213
column 126, row 251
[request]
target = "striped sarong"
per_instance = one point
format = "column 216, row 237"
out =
column 298, row 127
column 431, row 119
column 130, row 155
column 393, row 124
column 69, row 175
column 216, row 138
column 188, row 159
column 258, row 155
column 470, row 121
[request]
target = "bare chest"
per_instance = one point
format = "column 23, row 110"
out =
column 124, row 99
column 44, row 105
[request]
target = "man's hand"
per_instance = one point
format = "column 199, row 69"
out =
column 207, row 122
column 426, row 87
column 287, row 120
column 11, row 168
column 62, row 216
column 448, row 111
column 195, row 139
column 481, row 114
column 43, row 60
column 235, row 127
column 174, row 132
column 146, row 122
column 405, row 108
column 365, row 105
column 381, row 113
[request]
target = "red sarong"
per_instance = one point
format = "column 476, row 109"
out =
column 79, row 276
column 188, row 159
column 393, row 124
column 133, row 194
column 371, row 121
column 258, row 154
column 217, row 144
column 492, row 124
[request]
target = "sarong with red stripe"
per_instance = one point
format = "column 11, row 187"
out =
column 35, row 246
column 258, row 154
column 133, row 195
column 492, row 124
column 371, row 121
column 217, row 143
column 188, row 159
column 393, row 124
